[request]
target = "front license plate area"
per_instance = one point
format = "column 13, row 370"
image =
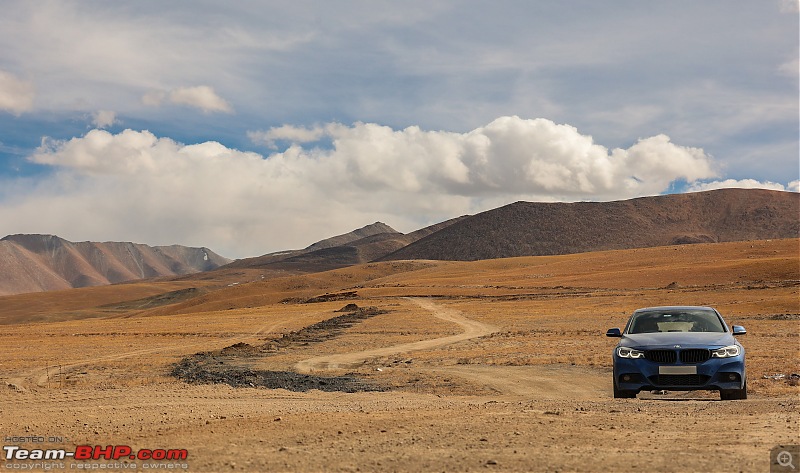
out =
column 677, row 370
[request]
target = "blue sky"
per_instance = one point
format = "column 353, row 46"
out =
column 259, row 126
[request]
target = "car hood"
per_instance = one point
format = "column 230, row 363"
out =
column 684, row 339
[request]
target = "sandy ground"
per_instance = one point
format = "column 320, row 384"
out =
column 515, row 381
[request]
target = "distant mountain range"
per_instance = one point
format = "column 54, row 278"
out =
column 538, row 229
column 33, row 263
column 360, row 246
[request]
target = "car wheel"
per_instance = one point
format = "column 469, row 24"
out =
column 623, row 393
column 734, row 394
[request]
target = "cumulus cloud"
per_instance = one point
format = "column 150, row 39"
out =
column 201, row 97
column 135, row 185
column 742, row 184
column 508, row 156
column 104, row 118
column 793, row 186
column 16, row 95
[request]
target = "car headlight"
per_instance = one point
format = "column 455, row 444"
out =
column 726, row 352
column 625, row 352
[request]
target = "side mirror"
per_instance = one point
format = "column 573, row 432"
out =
column 739, row 330
column 613, row 332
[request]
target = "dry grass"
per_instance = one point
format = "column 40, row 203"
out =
column 547, row 310
column 508, row 397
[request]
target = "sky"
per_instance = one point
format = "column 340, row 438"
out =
column 256, row 126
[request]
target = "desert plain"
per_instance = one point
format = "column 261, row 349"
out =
column 496, row 365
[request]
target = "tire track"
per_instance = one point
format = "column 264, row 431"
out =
column 472, row 329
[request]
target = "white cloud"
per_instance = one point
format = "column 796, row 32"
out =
column 510, row 156
column 201, row 97
column 741, row 184
column 136, row 186
column 290, row 133
column 793, row 186
column 104, row 118
column 16, row 95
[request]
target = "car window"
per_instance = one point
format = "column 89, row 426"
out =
column 675, row 321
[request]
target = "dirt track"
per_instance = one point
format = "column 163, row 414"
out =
column 472, row 329
column 536, row 382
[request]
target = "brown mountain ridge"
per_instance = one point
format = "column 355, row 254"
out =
column 540, row 229
column 30, row 263
column 360, row 246
column 33, row 263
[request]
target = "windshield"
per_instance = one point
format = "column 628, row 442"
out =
column 691, row 320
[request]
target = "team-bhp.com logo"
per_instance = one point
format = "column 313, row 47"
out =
column 96, row 452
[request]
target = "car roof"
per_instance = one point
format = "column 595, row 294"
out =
column 673, row 307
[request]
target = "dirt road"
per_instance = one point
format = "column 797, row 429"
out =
column 539, row 382
column 472, row 329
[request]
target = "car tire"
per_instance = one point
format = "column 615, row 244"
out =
column 623, row 393
column 733, row 394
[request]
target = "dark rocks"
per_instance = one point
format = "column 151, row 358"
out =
column 229, row 365
column 201, row 369
column 341, row 296
column 349, row 308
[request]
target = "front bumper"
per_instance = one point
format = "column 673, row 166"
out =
column 713, row 374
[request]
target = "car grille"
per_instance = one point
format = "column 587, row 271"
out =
column 661, row 356
column 695, row 355
column 679, row 380
column 690, row 355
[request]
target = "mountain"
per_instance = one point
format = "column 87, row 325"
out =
column 376, row 228
column 30, row 263
column 33, row 263
column 366, row 244
column 326, row 251
column 536, row 229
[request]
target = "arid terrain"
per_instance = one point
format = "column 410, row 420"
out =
column 497, row 365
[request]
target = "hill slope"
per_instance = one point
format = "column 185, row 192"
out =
column 361, row 251
column 33, row 263
column 536, row 229
column 359, row 246
column 376, row 228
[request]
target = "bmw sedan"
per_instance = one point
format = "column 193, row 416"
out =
column 678, row 349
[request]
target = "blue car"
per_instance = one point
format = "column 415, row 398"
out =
column 679, row 349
